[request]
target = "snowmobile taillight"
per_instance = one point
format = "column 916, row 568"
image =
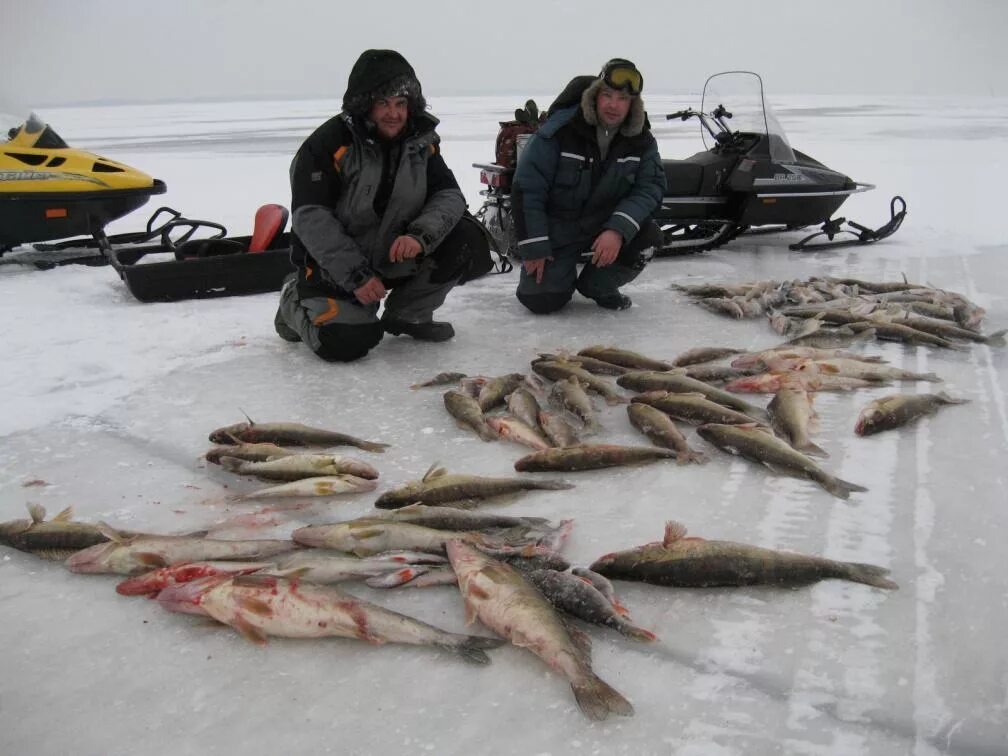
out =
column 55, row 212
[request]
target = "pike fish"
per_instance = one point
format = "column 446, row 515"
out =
column 625, row 357
column 258, row 606
column 298, row 466
column 658, row 426
column 692, row 408
column 691, row 562
column 438, row 486
column 899, row 409
column 55, row 539
column 590, row 457
column 468, row 414
column 508, row 604
column 294, row 434
column 791, row 417
column 131, row 555
column 683, row 384
column 323, row 485
column 579, row 598
column 760, row 445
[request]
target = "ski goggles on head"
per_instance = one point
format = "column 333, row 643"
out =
column 622, row 74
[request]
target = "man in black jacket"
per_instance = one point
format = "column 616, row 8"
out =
column 588, row 184
column 375, row 217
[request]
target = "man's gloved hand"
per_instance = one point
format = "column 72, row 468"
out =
column 606, row 248
column 371, row 291
column 536, row 268
column 404, row 248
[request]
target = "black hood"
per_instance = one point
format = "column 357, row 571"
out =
column 381, row 73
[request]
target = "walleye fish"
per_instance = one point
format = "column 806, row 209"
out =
column 590, row 457
column 908, row 335
column 791, row 417
column 691, row 562
column 294, row 434
column 693, row 408
column 723, row 306
column 899, row 409
column 513, row 429
column 625, row 357
column 323, row 485
column 703, row 354
column 557, row 430
column 522, row 404
column 577, row 597
column 495, row 390
column 602, row 585
column 441, row 379
column 591, row 364
column 716, row 373
column 557, row 371
column 259, row 606
column 299, row 466
column 438, row 486
column 247, row 452
column 760, row 445
column 948, row 331
column 508, row 604
column 568, row 394
column 683, row 384
column 55, row 539
column 658, row 426
column 468, row 414
column 131, row 555
column 834, row 337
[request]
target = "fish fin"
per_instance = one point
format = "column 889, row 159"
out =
column 372, row 446
column 296, row 574
column 930, row 377
column 597, row 699
column 65, row 516
column 581, row 639
column 149, row 559
column 947, row 399
column 111, row 533
column 234, row 439
column 471, row 612
column 471, row 647
column 37, row 513
column 869, row 574
column 251, row 422
column 673, row 532
column 996, row 339
column 249, row 631
column 393, row 579
column 637, row 633
column 255, row 606
column 812, row 450
column 434, row 471
column 842, row 489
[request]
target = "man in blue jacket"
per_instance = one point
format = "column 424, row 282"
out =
column 588, row 183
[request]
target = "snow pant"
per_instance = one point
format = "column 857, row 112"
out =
column 337, row 327
column 560, row 276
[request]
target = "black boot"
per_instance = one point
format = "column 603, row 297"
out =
column 429, row 331
column 614, row 301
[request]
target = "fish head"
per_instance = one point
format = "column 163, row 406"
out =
column 186, row 598
column 100, row 558
column 868, row 417
column 227, row 434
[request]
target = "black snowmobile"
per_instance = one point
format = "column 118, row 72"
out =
column 748, row 180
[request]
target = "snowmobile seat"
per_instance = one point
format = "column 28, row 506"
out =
column 682, row 177
column 270, row 221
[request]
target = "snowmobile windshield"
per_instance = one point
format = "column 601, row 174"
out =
column 741, row 94
column 39, row 134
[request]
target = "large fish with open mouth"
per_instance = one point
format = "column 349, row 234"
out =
column 438, row 486
column 758, row 444
column 692, row 562
column 899, row 409
column 258, row 606
column 294, row 434
column 508, row 604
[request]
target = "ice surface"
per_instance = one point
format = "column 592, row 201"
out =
column 110, row 402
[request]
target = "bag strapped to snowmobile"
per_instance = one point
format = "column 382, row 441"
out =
column 861, row 234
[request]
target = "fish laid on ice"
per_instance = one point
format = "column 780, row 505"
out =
column 625, row 358
column 453, row 518
column 55, row 539
column 298, row 466
column 692, row 562
column 568, row 394
column 294, row 434
column 508, row 604
column 658, row 426
column 792, row 416
column 557, row 430
column 557, row 371
column 683, row 384
column 703, row 354
column 692, row 408
column 438, row 486
column 259, row 606
column 495, row 390
column 467, row 412
column 323, row 485
column 899, row 409
column 513, row 429
column 760, row 445
column 522, row 404
column 248, row 452
column 441, row 379
column 590, row 457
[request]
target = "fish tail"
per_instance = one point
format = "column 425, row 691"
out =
column 637, row 633
column 931, row 377
column 372, row 446
column 553, row 485
column 842, row 489
column 948, row 399
column 597, row 699
column 487, row 433
column 471, row 648
column 996, row 339
column 812, row 449
column 396, row 578
column 869, row 574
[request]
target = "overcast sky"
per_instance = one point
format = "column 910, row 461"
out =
column 63, row 51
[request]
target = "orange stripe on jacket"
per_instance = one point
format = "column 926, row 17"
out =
column 338, row 156
column 329, row 314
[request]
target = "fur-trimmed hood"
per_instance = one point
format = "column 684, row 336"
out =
column 635, row 120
